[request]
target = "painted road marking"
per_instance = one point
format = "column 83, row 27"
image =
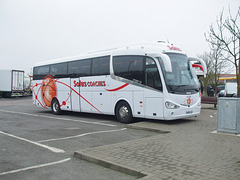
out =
column 62, row 119
column 34, row 167
column 81, row 135
column 53, row 149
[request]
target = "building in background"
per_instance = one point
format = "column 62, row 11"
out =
column 227, row 78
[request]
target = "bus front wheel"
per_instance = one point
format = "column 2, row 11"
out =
column 55, row 107
column 124, row 112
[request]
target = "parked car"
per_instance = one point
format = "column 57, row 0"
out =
column 220, row 90
column 220, row 87
column 221, row 93
column 229, row 91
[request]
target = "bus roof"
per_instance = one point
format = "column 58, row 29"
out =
column 148, row 49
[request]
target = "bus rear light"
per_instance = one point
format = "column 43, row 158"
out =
column 170, row 105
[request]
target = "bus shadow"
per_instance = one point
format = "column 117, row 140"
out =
column 112, row 118
column 167, row 122
column 83, row 115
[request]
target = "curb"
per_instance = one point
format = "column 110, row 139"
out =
column 111, row 165
column 133, row 126
column 143, row 126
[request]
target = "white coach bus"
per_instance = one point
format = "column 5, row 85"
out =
column 152, row 81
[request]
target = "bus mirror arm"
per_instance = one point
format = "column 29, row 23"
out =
column 203, row 64
column 167, row 62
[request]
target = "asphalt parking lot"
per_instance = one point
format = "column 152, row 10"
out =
column 35, row 144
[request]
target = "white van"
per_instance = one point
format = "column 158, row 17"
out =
column 230, row 89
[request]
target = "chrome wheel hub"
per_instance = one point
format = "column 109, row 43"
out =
column 123, row 112
column 55, row 106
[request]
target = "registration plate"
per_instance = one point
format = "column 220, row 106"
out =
column 189, row 112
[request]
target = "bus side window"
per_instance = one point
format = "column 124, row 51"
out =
column 40, row 72
column 101, row 66
column 129, row 67
column 73, row 69
column 152, row 77
column 79, row 68
column 58, row 70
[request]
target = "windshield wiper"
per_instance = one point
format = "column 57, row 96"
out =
column 170, row 88
column 179, row 87
column 195, row 89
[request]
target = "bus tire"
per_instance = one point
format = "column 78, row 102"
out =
column 55, row 107
column 123, row 112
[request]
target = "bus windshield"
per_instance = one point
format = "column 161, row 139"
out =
column 182, row 79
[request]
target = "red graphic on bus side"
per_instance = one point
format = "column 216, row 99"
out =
column 49, row 90
column 117, row 89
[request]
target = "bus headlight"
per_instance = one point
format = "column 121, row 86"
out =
column 170, row 105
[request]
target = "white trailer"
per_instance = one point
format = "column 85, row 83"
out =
column 11, row 82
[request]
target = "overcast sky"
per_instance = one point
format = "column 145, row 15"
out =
column 32, row 31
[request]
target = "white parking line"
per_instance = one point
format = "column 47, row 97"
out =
column 53, row 149
column 80, row 135
column 34, row 167
column 62, row 119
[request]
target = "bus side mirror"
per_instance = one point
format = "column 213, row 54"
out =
column 202, row 65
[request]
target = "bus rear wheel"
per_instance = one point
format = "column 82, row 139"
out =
column 55, row 107
column 124, row 112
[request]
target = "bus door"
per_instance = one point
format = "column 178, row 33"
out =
column 101, row 99
column 154, row 93
column 75, row 94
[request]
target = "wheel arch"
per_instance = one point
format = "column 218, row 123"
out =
column 122, row 100
column 53, row 99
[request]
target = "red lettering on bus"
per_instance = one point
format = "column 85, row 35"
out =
column 88, row 83
column 174, row 48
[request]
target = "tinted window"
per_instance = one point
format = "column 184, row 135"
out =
column 129, row 67
column 79, row 68
column 58, row 70
column 139, row 69
column 152, row 77
column 100, row 66
column 40, row 72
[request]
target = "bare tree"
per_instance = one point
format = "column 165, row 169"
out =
column 216, row 65
column 226, row 37
column 209, row 64
column 219, row 63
